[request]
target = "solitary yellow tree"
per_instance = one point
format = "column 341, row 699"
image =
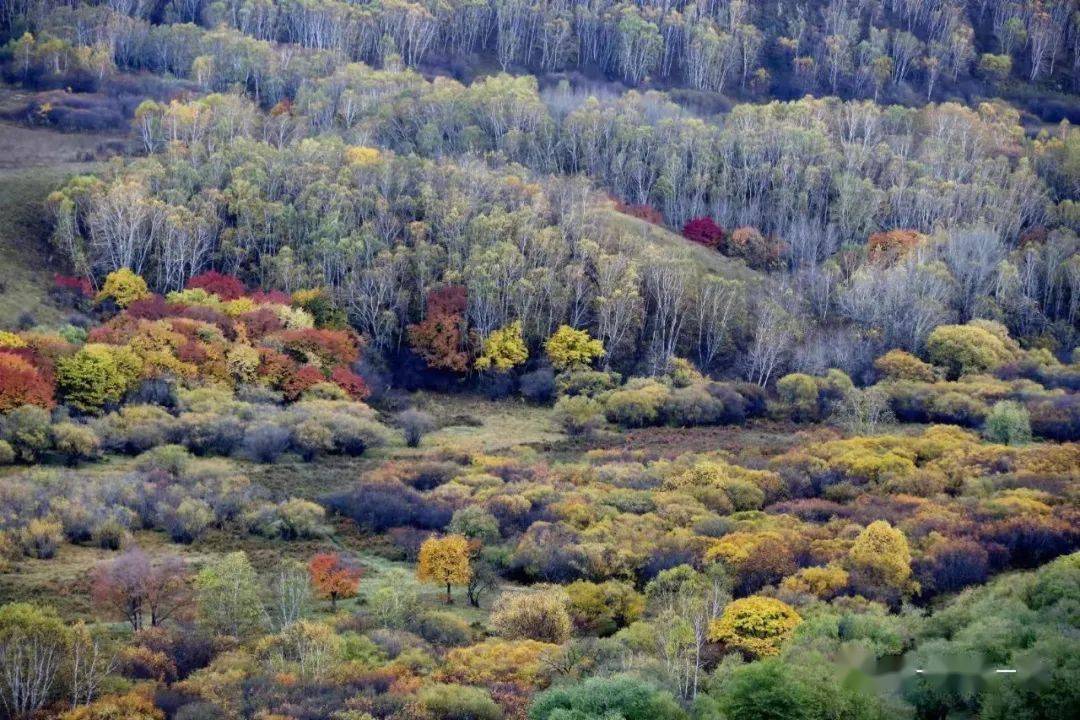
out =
column 503, row 349
column 445, row 561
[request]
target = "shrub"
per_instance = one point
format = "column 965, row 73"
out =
column 26, row 430
column 1008, row 423
column 758, row 626
column 353, row 385
column 41, row 537
column 22, row 384
column 625, row 697
column 901, row 365
column 189, row 520
column 579, row 415
column 586, row 382
column 705, row 231
column 1057, row 418
column 570, row 349
column 97, row 375
column 963, row 349
column 457, row 702
column 637, row 404
column 7, row 453
column 301, row 380
column 475, row 523
column 265, row 443
column 414, row 425
column 694, row 405
column 123, row 287
column 75, row 442
column 799, row 394
column 311, row 437
column 538, row 386
column 226, row 287
column 539, row 614
column 443, row 628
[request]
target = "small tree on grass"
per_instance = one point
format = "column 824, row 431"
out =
column 445, row 561
column 333, row 577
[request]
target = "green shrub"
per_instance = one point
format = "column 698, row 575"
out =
column 623, row 697
column 586, row 382
column 975, row 347
column 1008, row 423
column 579, row 415
column 457, row 702
column 96, row 376
column 637, row 404
column 26, row 429
column 75, row 442
column 443, row 628
column 171, row 459
column 190, row 520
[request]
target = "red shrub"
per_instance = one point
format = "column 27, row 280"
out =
column 329, row 347
column 888, row 247
column 77, row 285
column 152, row 307
column 192, row 352
column 299, row 381
column 275, row 367
column 22, row 384
column 226, row 287
column 642, row 212
column 272, row 297
column 350, row 382
column 705, row 231
column 212, row 317
column 261, row 322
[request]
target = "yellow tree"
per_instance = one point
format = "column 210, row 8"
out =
column 445, row 561
column 881, row 554
column 503, row 349
column 570, row 349
column 756, row 625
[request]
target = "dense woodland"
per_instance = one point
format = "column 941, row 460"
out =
column 543, row 360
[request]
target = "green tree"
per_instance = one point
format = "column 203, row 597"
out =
column 228, row 596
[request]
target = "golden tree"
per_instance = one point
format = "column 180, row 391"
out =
column 445, row 561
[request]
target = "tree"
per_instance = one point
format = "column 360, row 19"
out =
column 755, row 625
column 292, row 593
column 228, row 596
column 570, row 349
column 503, row 349
column 1008, row 423
column 445, row 561
column 123, row 287
column 145, row 594
column 880, row 554
column 539, row 614
column 333, row 577
column 33, row 645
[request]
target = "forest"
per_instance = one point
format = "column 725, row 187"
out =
column 553, row 360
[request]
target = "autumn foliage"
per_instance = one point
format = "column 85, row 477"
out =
column 333, row 577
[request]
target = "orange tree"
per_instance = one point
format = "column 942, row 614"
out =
column 333, row 578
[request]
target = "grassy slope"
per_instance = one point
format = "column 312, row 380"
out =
column 34, row 162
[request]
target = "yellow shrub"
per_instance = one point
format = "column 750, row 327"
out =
column 124, row 287
column 756, row 625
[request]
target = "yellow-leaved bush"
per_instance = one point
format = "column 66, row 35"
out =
column 757, row 626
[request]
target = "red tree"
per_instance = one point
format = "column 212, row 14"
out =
column 705, row 231
column 350, row 382
column 301, row 380
column 333, row 577
column 441, row 337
